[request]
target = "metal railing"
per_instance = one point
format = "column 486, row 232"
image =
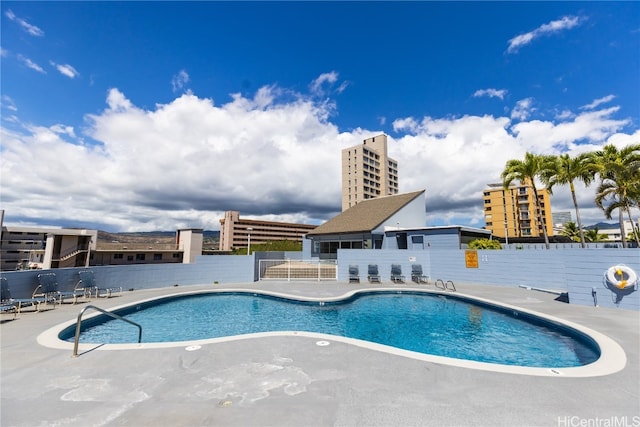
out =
column 288, row 269
column 76, row 340
column 445, row 286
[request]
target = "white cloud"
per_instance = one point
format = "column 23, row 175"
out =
column 455, row 158
column 598, row 102
column 8, row 103
column 564, row 115
column 63, row 130
column 30, row 64
column 179, row 81
column 591, row 127
column 321, row 85
column 183, row 163
column 65, row 70
column 491, row 93
column 117, row 102
column 564, row 23
column 523, row 109
column 29, row 28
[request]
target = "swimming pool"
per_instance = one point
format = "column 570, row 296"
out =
column 426, row 323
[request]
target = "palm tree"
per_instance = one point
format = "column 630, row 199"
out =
column 570, row 230
column 593, row 235
column 526, row 172
column 619, row 172
column 563, row 170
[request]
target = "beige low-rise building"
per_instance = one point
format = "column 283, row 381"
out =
column 35, row 248
column 236, row 232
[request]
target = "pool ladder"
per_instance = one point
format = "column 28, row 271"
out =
column 445, row 286
column 76, row 340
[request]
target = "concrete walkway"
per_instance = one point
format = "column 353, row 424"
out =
column 293, row 381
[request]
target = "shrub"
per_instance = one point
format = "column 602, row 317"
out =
column 484, row 244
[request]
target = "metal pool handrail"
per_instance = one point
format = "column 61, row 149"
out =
column 108, row 313
column 445, row 286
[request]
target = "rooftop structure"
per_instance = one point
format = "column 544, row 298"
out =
column 363, row 225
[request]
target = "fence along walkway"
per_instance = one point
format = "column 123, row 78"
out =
column 287, row 269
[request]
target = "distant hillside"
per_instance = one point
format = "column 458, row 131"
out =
column 603, row 226
column 153, row 239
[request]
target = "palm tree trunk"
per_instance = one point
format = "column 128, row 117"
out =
column 575, row 204
column 633, row 227
column 539, row 212
column 621, row 221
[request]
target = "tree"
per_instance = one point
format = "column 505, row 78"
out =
column 563, row 170
column 274, row 246
column 619, row 172
column 484, row 244
column 571, row 231
column 592, row 235
column 526, row 171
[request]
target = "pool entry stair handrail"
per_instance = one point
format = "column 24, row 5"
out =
column 76, row 340
column 445, row 286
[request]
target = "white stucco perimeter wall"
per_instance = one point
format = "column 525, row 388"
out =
column 575, row 271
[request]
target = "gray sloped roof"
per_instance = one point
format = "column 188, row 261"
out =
column 366, row 215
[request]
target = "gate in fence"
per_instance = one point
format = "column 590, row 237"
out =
column 290, row 269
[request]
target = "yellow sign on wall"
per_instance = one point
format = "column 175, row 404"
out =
column 471, row 258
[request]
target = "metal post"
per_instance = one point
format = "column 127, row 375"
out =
column 506, row 233
column 86, row 264
column 249, row 229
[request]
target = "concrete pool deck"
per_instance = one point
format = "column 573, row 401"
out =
column 293, row 381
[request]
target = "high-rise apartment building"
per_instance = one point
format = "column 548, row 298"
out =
column 367, row 172
column 512, row 211
column 561, row 218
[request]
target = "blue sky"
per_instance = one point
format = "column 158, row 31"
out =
column 135, row 116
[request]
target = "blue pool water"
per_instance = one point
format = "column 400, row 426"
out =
column 423, row 323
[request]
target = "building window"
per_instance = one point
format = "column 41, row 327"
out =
column 140, row 257
column 401, row 240
column 157, row 257
column 117, row 256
